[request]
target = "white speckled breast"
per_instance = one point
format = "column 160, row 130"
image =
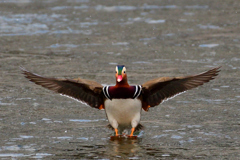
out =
column 123, row 113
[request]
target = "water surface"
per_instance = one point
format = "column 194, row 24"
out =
column 84, row 38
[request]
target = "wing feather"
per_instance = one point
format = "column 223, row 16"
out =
column 157, row 90
column 83, row 90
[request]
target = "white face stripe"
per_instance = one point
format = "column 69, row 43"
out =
column 124, row 69
column 116, row 69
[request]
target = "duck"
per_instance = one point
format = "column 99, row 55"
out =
column 123, row 103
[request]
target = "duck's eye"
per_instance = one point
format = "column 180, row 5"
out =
column 115, row 71
column 124, row 72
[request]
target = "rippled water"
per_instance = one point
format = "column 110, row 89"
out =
column 84, row 38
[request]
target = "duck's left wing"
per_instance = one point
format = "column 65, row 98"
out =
column 83, row 90
column 157, row 90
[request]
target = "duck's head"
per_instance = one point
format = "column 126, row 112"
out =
column 121, row 75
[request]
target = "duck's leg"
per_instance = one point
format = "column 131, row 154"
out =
column 116, row 131
column 132, row 131
column 135, row 122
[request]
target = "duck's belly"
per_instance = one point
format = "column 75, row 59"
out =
column 123, row 112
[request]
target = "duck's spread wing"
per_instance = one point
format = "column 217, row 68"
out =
column 86, row 91
column 157, row 90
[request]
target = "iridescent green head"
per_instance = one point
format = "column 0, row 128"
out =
column 120, row 73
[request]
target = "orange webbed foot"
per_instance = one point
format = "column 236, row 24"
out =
column 117, row 136
column 131, row 136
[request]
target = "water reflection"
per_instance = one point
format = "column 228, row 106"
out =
column 121, row 147
column 124, row 147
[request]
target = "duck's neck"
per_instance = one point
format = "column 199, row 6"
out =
column 123, row 83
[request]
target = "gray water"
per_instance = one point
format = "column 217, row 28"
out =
column 85, row 38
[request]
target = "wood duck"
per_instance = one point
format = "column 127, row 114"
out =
column 123, row 103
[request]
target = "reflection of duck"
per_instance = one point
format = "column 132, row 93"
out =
column 124, row 147
column 123, row 103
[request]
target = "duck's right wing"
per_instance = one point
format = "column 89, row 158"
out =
column 87, row 91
